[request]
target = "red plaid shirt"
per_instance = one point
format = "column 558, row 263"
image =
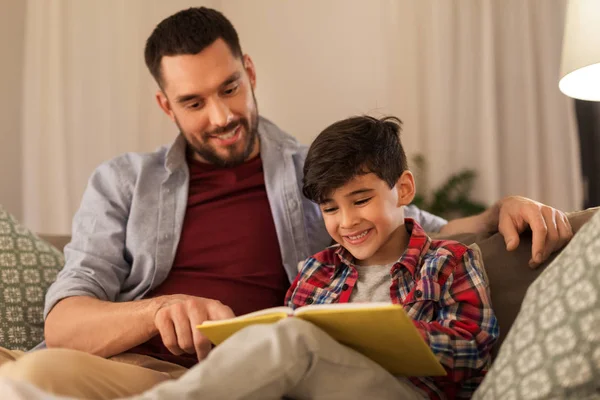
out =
column 442, row 287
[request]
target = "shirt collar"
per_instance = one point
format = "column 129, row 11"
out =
column 418, row 244
column 175, row 157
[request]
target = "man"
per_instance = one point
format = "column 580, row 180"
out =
column 197, row 230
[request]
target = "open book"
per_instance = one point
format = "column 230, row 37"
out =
column 381, row 331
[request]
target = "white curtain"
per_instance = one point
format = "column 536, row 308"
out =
column 481, row 78
column 475, row 82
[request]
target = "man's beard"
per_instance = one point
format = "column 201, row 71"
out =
column 234, row 157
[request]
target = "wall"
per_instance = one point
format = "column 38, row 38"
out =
column 334, row 54
column 12, row 20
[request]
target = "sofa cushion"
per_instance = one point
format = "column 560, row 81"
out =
column 553, row 348
column 28, row 266
column 508, row 272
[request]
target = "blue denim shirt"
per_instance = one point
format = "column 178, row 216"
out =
column 126, row 231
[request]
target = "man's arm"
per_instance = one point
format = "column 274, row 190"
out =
column 100, row 327
column 81, row 309
column 105, row 328
column 510, row 216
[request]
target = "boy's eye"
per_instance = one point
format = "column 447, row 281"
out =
column 362, row 201
column 328, row 210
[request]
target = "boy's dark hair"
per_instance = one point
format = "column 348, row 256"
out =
column 352, row 147
column 188, row 32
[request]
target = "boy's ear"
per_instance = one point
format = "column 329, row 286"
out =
column 406, row 188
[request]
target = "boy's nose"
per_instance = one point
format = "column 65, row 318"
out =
column 349, row 219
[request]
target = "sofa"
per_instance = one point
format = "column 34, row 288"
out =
column 29, row 263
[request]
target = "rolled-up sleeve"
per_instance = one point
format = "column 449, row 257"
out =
column 95, row 262
column 465, row 327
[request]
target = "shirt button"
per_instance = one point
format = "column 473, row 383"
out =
column 309, row 301
column 418, row 293
column 345, row 287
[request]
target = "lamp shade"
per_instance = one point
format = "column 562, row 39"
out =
column 580, row 63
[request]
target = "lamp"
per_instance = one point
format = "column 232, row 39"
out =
column 580, row 63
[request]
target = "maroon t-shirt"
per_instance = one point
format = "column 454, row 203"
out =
column 228, row 248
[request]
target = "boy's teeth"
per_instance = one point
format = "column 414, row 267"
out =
column 358, row 236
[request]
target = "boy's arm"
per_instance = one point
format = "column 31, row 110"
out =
column 465, row 327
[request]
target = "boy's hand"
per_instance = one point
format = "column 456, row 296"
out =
column 176, row 319
column 550, row 227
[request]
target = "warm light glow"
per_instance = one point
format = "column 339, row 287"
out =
column 583, row 83
column 580, row 63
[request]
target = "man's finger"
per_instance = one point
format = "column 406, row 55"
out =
column 565, row 230
column 508, row 229
column 198, row 314
column 168, row 336
column 552, row 236
column 539, row 231
column 217, row 310
column 201, row 344
column 181, row 321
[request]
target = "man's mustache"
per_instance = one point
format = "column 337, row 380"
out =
column 227, row 128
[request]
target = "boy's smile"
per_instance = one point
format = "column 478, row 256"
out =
column 358, row 238
column 366, row 217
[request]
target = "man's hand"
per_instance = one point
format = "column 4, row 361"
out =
column 176, row 320
column 550, row 227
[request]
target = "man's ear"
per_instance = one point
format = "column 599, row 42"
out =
column 164, row 104
column 250, row 70
column 406, row 188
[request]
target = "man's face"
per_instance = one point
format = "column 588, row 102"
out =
column 210, row 96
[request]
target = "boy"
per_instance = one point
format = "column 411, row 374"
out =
column 356, row 170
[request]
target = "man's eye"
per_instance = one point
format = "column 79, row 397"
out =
column 362, row 201
column 231, row 90
column 193, row 106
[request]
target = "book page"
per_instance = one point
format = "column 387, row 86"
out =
column 344, row 306
column 266, row 311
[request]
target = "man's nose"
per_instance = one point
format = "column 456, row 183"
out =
column 219, row 113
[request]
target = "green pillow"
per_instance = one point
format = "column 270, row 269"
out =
column 552, row 351
column 28, row 266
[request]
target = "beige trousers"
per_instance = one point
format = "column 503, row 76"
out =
column 81, row 375
column 291, row 359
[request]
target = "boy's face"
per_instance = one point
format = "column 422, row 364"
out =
column 366, row 217
column 210, row 96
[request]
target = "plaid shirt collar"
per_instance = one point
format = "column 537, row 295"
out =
column 418, row 245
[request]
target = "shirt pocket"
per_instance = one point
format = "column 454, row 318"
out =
column 307, row 294
column 423, row 301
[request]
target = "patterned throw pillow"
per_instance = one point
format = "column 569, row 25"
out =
column 28, row 265
column 553, row 349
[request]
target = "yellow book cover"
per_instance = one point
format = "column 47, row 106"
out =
column 381, row 331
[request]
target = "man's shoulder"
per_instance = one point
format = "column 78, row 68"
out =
column 131, row 164
column 273, row 133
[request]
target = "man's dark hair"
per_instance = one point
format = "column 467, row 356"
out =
column 188, row 32
column 352, row 147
